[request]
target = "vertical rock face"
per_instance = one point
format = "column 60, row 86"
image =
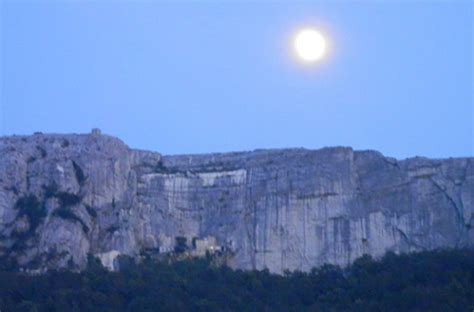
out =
column 65, row 196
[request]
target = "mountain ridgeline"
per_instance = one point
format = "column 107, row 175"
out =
column 64, row 198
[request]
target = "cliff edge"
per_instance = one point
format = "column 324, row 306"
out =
column 63, row 197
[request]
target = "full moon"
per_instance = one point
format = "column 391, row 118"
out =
column 310, row 45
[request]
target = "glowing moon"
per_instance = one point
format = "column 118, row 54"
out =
column 310, row 45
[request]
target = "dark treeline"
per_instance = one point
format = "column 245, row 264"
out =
column 427, row 281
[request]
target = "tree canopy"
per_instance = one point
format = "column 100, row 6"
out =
column 428, row 281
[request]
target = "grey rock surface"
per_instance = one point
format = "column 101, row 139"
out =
column 65, row 196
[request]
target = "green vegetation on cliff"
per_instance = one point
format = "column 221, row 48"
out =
column 427, row 281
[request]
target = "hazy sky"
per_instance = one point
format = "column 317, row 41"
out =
column 206, row 77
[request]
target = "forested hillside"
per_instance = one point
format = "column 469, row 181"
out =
column 427, row 281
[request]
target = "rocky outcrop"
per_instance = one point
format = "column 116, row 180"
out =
column 63, row 197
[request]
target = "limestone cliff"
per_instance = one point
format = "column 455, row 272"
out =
column 65, row 196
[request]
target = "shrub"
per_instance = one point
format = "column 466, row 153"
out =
column 94, row 265
column 181, row 245
column 112, row 229
column 33, row 209
column 68, row 199
column 161, row 168
column 42, row 151
column 50, row 190
column 67, row 214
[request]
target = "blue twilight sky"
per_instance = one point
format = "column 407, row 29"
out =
column 193, row 77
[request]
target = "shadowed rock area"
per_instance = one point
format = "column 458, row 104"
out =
column 63, row 197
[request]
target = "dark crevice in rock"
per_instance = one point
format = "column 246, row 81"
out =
column 79, row 173
column 91, row 211
column 317, row 195
column 458, row 213
column 407, row 240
